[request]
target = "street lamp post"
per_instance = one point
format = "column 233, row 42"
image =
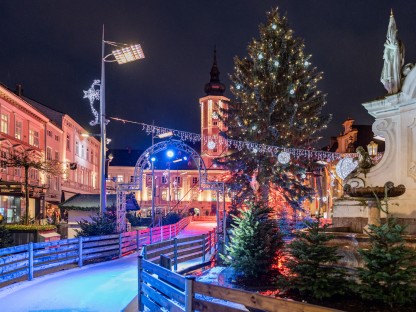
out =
column 122, row 54
column 153, row 159
column 103, row 182
column 170, row 155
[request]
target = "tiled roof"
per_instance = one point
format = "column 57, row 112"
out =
column 52, row 114
column 92, row 202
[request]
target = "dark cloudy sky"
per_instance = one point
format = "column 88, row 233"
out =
column 53, row 49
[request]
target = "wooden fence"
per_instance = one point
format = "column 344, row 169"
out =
column 161, row 288
column 179, row 250
column 26, row 260
column 204, row 218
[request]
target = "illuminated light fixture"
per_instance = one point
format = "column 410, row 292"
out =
column 153, row 159
column 372, row 148
column 85, row 135
column 128, row 54
column 177, row 160
column 170, row 153
column 185, row 158
column 164, row 135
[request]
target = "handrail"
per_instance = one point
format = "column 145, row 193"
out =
column 180, row 250
column 160, row 287
column 24, row 260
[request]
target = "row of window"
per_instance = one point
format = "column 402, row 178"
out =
column 18, row 130
column 49, row 154
column 80, row 150
column 50, row 134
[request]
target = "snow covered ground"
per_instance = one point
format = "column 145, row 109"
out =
column 197, row 228
column 107, row 286
column 215, row 276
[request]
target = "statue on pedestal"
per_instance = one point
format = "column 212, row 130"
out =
column 393, row 59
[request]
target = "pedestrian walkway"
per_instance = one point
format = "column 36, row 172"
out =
column 107, row 286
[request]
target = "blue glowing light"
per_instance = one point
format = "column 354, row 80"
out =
column 153, row 158
column 170, row 153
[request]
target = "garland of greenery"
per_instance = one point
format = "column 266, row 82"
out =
column 31, row 227
column 81, row 208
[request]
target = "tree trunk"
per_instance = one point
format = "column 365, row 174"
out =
column 27, row 194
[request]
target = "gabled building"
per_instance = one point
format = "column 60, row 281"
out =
column 29, row 125
column 353, row 136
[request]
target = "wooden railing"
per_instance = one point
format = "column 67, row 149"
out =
column 204, row 218
column 160, row 287
column 180, row 250
column 18, row 261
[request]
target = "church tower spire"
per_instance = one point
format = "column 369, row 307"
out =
column 214, row 86
column 393, row 59
column 213, row 106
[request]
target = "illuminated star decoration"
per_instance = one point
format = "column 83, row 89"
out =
column 93, row 94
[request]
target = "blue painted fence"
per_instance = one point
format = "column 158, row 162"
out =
column 26, row 260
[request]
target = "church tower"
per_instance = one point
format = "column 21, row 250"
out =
column 212, row 105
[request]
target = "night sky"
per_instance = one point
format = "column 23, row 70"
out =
column 53, row 48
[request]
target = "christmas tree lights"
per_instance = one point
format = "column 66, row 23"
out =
column 277, row 104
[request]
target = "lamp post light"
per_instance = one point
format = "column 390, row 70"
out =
column 122, row 54
column 372, row 148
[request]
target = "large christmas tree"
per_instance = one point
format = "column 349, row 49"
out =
column 277, row 103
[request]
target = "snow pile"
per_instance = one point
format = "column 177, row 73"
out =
column 211, row 276
column 214, row 276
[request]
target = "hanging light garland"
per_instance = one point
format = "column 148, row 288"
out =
column 212, row 141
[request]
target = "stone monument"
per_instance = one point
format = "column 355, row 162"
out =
column 395, row 116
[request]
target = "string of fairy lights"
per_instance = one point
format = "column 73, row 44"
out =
column 284, row 153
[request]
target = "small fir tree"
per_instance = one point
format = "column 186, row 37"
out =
column 99, row 224
column 255, row 244
column 389, row 272
column 277, row 103
column 312, row 264
column 6, row 239
column 171, row 218
column 284, row 223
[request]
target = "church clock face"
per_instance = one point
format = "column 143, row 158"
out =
column 214, row 115
column 211, row 145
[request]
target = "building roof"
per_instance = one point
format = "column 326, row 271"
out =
column 124, row 157
column 214, row 86
column 54, row 115
column 364, row 136
column 90, row 202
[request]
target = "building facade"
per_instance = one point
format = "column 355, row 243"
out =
column 50, row 136
column 177, row 178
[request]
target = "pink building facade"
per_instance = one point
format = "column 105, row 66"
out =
column 26, row 125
